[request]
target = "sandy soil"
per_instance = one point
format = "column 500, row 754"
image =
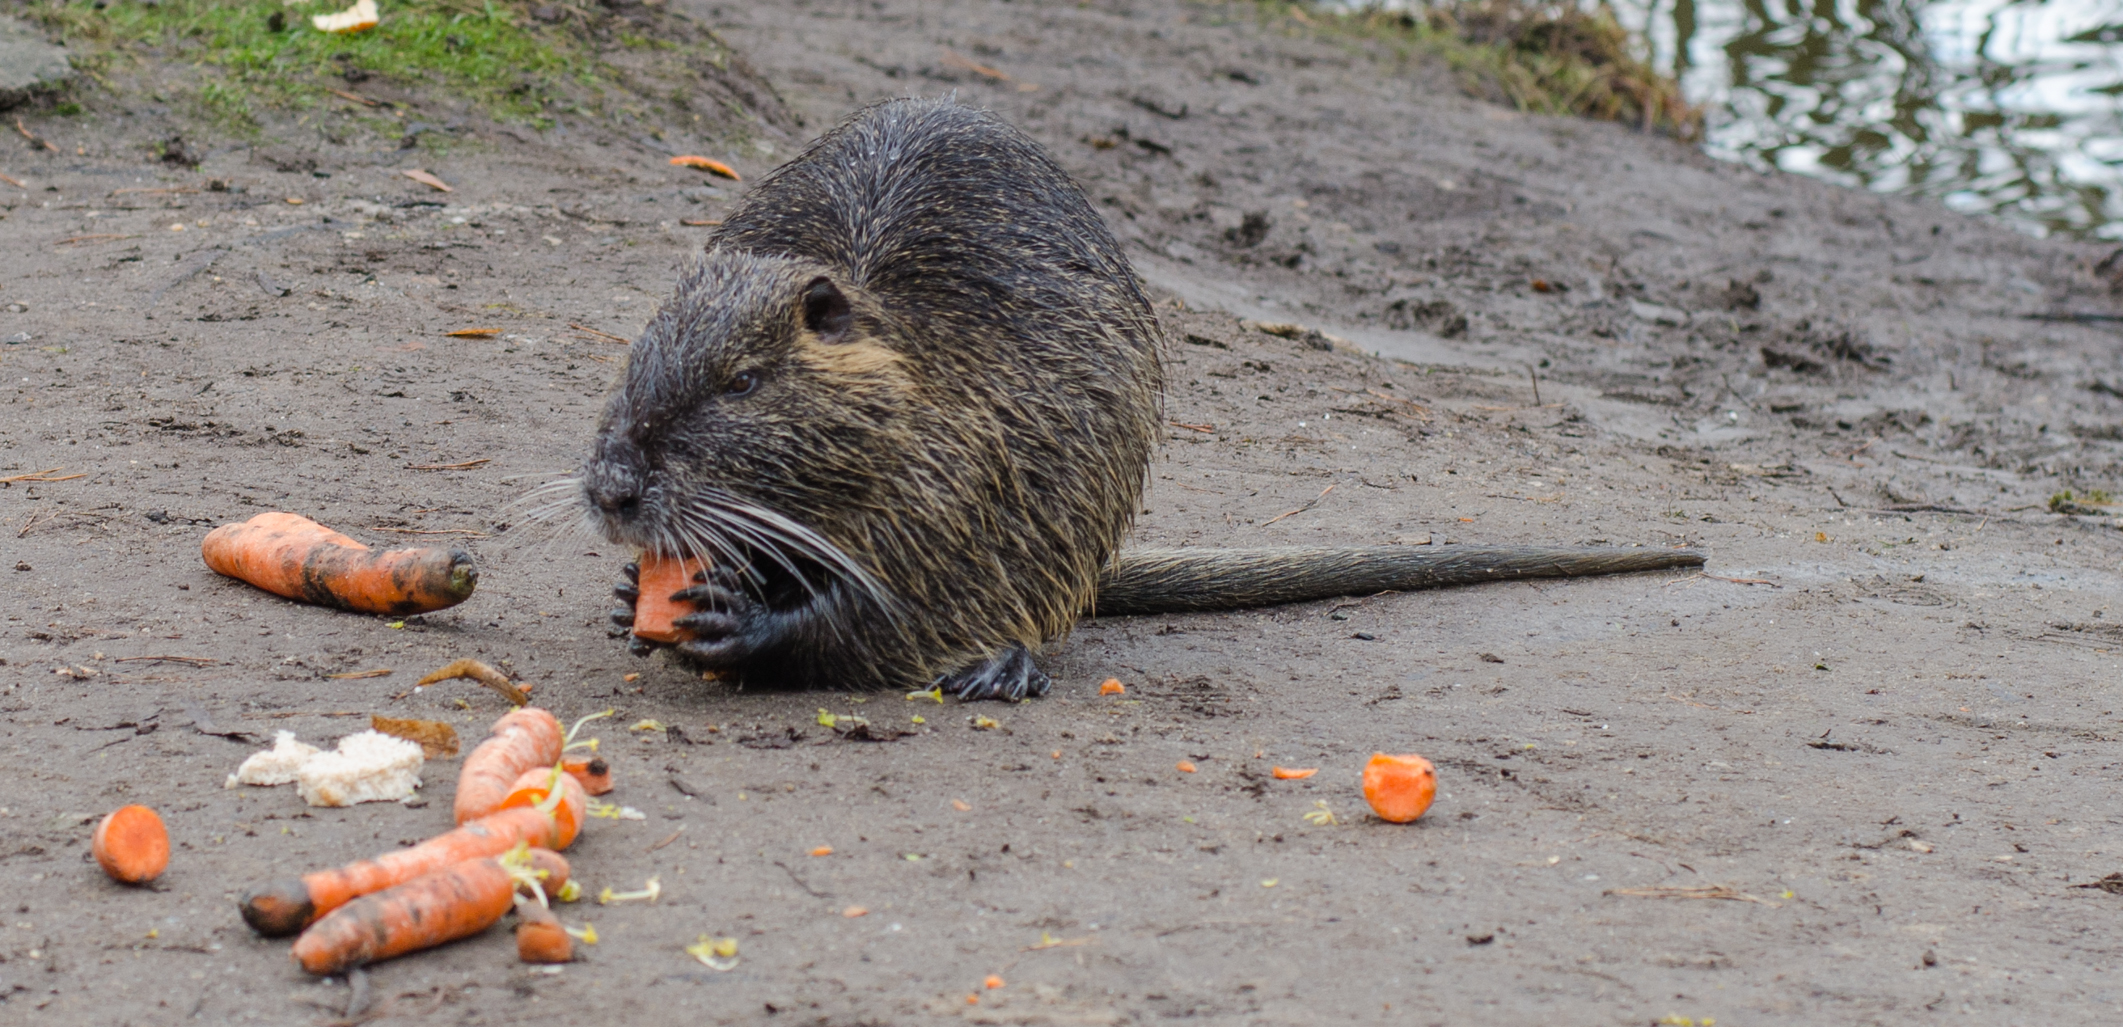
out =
column 1884, row 732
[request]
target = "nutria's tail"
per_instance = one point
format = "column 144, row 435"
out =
column 1188, row 580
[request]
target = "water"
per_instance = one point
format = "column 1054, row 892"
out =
column 2007, row 107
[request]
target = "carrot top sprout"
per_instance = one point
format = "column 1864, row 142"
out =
column 569, row 741
column 715, row 953
column 647, row 894
column 587, row 933
column 1322, row 816
column 572, row 892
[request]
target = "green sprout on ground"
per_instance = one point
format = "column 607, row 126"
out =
column 2094, row 503
column 1545, row 58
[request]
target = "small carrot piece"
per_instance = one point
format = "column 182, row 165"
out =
column 594, row 773
column 661, row 576
column 707, row 164
column 1399, row 788
column 521, row 740
column 1293, row 773
column 293, row 556
column 1184, row 767
column 280, row 908
column 455, row 902
column 539, row 936
column 131, row 845
column 1112, row 686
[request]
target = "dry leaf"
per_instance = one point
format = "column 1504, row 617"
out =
column 437, row 740
column 426, row 179
column 483, row 674
column 474, row 333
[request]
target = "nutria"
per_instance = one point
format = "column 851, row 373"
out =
column 904, row 405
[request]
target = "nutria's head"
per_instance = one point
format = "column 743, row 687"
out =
column 758, row 400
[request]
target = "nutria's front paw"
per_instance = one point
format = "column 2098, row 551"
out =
column 730, row 627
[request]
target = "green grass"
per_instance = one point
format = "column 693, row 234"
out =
column 486, row 52
column 1546, row 58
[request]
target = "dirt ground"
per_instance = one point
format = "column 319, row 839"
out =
column 1863, row 772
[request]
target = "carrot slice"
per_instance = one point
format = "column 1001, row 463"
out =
column 539, row 936
column 131, row 845
column 292, row 556
column 1399, row 788
column 654, row 611
column 1112, row 686
column 521, row 740
column 454, row 902
column 594, row 773
column 707, row 164
column 1293, row 773
column 280, row 908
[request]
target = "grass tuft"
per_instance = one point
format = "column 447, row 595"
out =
column 250, row 52
column 1546, row 58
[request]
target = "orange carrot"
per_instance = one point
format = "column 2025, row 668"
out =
column 455, row 902
column 132, row 846
column 707, row 164
column 1399, row 788
column 1185, row 767
column 567, row 810
column 521, row 739
column 293, row 556
column 654, row 611
column 594, row 773
column 281, row 908
column 1293, row 773
column 539, row 936
column 1112, row 686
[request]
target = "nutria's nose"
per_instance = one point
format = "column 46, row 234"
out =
column 619, row 501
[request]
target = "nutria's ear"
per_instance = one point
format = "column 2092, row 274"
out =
column 826, row 310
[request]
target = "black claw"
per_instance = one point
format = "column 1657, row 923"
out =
column 640, row 646
column 626, row 593
column 633, row 571
column 623, row 617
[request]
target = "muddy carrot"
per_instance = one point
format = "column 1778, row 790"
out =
column 594, row 773
column 455, row 902
column 131, row 845
column 539, row 936
column 281, row 908
column 521, row 739
column 293, row 556
column 549, row 869
column 654, row 611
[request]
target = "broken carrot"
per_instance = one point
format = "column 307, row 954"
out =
column 557, row 794
column 1185, row 767
column 593, row 772
column 654, row 612
column 1399, row 788
column 522, row 739
column 707, row 164
column 1112, row 686
column 539, row 936
column 280, row 908
column 1293, row 773
column 455, row 902
column 131, row 845
column 290, row 555
column 549, row 869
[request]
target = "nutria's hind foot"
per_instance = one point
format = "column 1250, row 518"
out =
column 1010, row 676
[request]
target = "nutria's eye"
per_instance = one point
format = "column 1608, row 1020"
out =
column 742, row 385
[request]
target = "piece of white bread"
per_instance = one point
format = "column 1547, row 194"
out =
column 275, row 766
column 366, row 767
